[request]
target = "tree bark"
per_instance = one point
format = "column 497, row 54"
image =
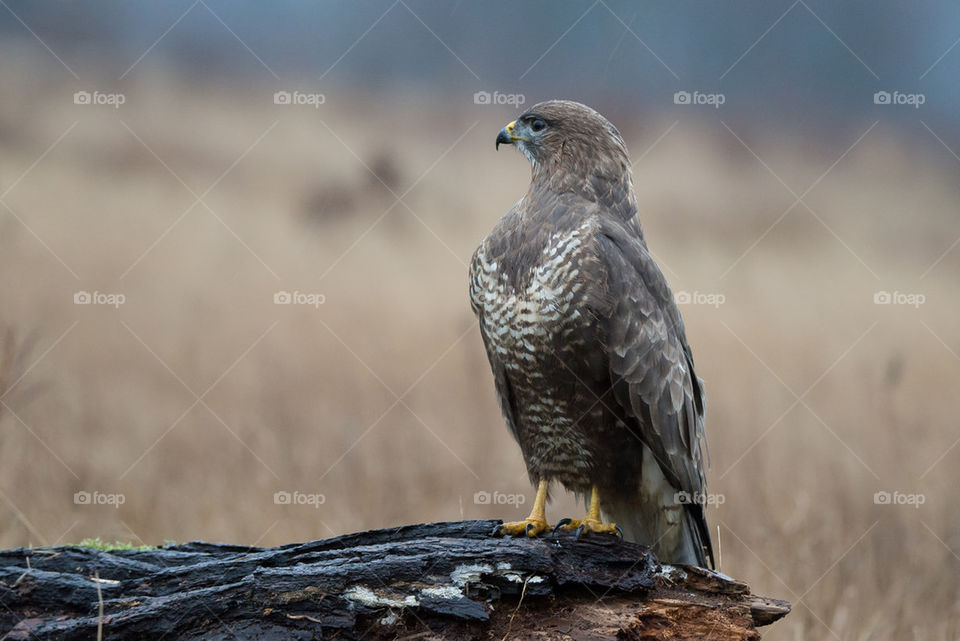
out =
column 430, row 581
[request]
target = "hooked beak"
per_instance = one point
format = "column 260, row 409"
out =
column 506, row 136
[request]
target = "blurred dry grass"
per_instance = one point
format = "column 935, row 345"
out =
column 381, row 399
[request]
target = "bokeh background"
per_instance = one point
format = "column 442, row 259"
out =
column 169, row 172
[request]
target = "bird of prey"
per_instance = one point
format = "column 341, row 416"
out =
column 588, row 350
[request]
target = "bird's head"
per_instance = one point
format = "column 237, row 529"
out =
column 562, row 134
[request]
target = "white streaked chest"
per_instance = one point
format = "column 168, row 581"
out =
column 521, row 314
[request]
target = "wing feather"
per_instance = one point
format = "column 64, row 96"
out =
column 651, row 365
column 501, row 382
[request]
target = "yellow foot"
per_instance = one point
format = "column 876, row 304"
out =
column 589, row 524
column 534, row 524
column 531, row 527
column 592, row 521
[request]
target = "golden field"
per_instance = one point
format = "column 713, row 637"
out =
column 198, row 398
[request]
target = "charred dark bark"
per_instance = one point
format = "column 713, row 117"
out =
column 431, row 581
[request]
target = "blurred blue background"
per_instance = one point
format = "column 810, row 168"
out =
column 812, row 65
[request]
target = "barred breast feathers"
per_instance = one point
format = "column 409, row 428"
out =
column 541, row 302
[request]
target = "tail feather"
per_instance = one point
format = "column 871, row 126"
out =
column 654, row 516
column 676, row 534
column 698, row 535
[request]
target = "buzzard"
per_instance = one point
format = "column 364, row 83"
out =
column 589, row 355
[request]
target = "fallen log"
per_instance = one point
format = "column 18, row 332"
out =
column 431, row 581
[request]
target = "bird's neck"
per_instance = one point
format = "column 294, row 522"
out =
column 607, row 183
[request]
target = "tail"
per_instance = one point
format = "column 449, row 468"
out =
column 676, row 533
column 656, row 515
column 697, row 541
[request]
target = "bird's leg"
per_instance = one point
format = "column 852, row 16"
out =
column 534, row 524
column 592, row 522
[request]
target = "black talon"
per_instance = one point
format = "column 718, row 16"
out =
column 561, row 523
column 527, row 530
column 619, row 532
column 580, row 531
column 497, row 530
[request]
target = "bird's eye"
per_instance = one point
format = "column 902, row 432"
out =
column 538, row 125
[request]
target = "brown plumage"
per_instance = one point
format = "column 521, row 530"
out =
column 588, row 350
